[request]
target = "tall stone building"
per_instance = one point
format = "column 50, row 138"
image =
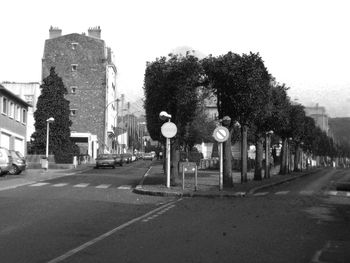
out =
column 86, row 66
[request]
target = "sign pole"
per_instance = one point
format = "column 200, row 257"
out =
column 221, row 166
column 221, row 135
column 168, row 162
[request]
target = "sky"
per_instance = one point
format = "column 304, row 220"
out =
column 304, row 43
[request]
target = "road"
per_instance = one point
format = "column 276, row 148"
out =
column 66, row 220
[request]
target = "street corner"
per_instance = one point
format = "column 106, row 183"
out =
column 176, row 191
column 157, row 190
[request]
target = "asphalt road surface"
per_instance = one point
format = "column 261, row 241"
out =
column 95, row 217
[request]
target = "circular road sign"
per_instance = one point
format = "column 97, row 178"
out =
column 221, row 134
column 169, row 129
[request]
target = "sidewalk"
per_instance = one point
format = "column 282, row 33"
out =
column 154, row 183
column 31, row 176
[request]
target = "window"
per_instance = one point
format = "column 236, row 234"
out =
column 24, row 116
column 12, row 110
column 29, row 98
column 73, row 89
column 74, row 45
column 73, row 112
column 18, row 113
column 74, row 67
column 4, row 106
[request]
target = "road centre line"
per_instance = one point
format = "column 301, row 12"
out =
column 125, row 187
column 103, row 186
column 109, row 233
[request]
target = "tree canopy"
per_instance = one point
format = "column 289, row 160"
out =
column 52, row 103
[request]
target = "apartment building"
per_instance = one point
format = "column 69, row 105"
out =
column 86, row 66
column 13, row 121
column 29, row 92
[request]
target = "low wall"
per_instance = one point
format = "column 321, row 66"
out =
column 51, row 165
column 34, row 162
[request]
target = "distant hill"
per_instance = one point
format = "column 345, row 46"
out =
column 340, row 128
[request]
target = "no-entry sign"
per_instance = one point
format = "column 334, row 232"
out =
column 169, row 129
column 221, row 134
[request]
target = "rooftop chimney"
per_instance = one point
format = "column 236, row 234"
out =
column 94, row 32
column 55, row 32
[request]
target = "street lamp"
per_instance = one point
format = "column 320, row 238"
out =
column 48, row 121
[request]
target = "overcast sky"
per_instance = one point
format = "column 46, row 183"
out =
column 304, row 43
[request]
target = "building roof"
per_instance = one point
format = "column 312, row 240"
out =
column 8, row 93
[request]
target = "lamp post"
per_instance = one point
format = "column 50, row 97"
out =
column 48, row 121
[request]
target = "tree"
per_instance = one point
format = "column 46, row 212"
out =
column 51, row 103
column 241, row 85
column 171, row 84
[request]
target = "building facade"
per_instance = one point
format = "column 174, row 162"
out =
column 13, row 121
column 29, row 92
column 86, row 66
column 320, row 116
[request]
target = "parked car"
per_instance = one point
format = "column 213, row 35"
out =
column 133, row 157
column 18, row 163
column 118, row 159
column 148, row 156
column 105, row 160
column 5, row 161
column 127, row 157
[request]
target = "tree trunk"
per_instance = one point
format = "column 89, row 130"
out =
column 258, row 159
column 227, row 177
column 174, row 162
column 267, row 156
column 244, row 156
column 297, row 158
column 284, row 157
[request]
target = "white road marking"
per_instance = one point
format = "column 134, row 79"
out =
column 332, row 192
column 103, row 186
column 107, row 234
column 261, row 194
column 125, row 187
column 60, row 184
column 348, row 194
column 80, row 185
column 39, row 184
column 282, row 193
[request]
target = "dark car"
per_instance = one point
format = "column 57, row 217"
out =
column 105, row 160
column 118, row 159
column 127, row 157
column 18, row 163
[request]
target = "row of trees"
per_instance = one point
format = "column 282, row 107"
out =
column 246, row 92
